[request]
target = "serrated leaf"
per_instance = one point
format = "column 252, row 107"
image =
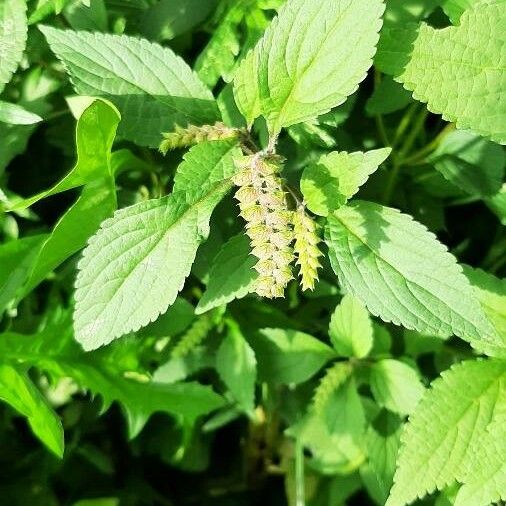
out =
column 231, row 276
column 237, row 366
column 14, row 114
column 455, row 8
column 485, row 483
column 473, row 164
column 337, row 176
column 134, row 267
column 13, row 32
column 396, row 386
column 403, row 274
column 95, row 133
column 491, row 293
column 310, row 59
column 451, row 417
column 17, row 389
column 350, row 328
column 149, row 84
column 288, row 356
column 459, row 72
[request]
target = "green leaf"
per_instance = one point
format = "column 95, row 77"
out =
column 106, row 373
column 450, row 419
column 396, row 386
column 455, row 8
column 388, row 97
column 288, row 356
column 497, row 204
column 95, row 133
column 337, row 176
column 134, row 267
column 403, row 274
column 231, row 276
column 14, row 114
column 351, row 329
column 485, row 483
column 491, row 293
column 471, row 163
column 458, row 72
column 237, row 367
column 13, row 32
column 167, row 19
column 17, row 389
column 303, row 65
column 149, row 84
column 92, row 18
column 16, row 260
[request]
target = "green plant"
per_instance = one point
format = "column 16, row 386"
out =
column 244, row 281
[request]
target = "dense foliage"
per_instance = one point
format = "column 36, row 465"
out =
column 251, row 252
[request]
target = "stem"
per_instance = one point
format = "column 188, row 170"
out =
column 404, row 123
column 380, row 124
column 300, row 493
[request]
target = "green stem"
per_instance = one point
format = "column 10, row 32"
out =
column 300, row 493
column 404, row 123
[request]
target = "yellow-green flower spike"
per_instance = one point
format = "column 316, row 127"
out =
column 184, row 137
column 306, row 248
column 263, row 206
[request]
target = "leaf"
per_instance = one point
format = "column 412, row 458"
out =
column 491, row 293
column 403, row 274
column 134, row 267
column 471, row 163
column 106, row 373
column 14, row 114
column 388, row 97
column 17, row 390
column 288, row 356
column 16, row 260
column 13, row 32
column 455, row 8
column 351, row 329
column 396, row 386
column 149, row 84
column 451, row 417
column 460, row 71
column 95, row 133
column 92, row 18
column 237, row 367
column 304, row 66
column 167, row 19
column 497, row 204
column 337, row 176
column 486, row 481
column 231, row 276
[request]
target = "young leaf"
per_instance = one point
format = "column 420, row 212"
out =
column 134, row 267
column 14, row 114
column 396, row 386
column 458, row 71
column 236, row 364
column 351, row 329
column 449, row 420
column 337, row 176
column 304, row 66
column 231, row 276
column 403, row 274
column 13, row 31
column 149, row 84
column 95, row 133
column 17, row 389
column 288, row 356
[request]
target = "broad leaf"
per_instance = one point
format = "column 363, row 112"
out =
column 149, row 84
column 17, row 389
column 455, row 8
column 396, row 386
column 497, row 204
column 14, row 114
column 337, row 176
column 236, row 365
column 134, row 267
column 288, row 356
column 310, row 59
column 231, row 276
column 450, row 419
column 403, row 274
column 458, row 71
column 388, row 97
column 13, row 31
column 350, row 328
